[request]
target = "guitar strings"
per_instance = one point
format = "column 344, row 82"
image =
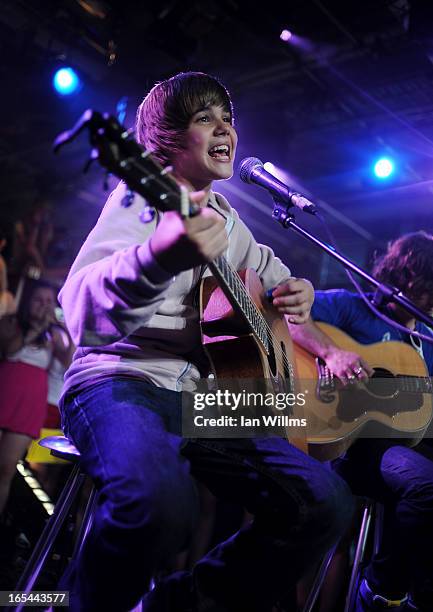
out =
column 242, row 290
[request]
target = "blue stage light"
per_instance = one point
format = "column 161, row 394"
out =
column 383, row 168
column 66, row 81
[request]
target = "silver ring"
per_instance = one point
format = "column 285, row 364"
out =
column 358, row 370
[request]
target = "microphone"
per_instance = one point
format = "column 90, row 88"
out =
column 251, row 170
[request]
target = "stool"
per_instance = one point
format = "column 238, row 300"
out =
column 319, row 580
column 62, row 448
column 371, row 510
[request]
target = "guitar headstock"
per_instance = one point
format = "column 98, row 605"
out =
column 116, row 150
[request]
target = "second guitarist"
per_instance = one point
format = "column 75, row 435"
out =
column 400, row 477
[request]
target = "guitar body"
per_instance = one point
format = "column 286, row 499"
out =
column 340, row 414
column 235, row 353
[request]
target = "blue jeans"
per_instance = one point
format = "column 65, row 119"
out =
column 402, row 479
column 127, row 433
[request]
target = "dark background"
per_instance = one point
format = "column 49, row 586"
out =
column 355, row 83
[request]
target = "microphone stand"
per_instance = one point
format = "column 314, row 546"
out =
column 384, row 293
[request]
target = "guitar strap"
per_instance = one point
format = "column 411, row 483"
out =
column 408, row 338
column 203, row 267
column 417, row 345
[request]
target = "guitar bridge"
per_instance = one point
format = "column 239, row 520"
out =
column 325, row 388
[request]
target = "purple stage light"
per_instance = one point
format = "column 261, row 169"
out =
column 286, row 35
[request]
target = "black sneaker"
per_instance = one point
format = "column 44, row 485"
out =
column 368, row 601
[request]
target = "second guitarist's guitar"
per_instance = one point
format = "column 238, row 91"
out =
column 395, row 402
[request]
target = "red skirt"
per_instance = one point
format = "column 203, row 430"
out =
column 23, row 397
column 52, row 420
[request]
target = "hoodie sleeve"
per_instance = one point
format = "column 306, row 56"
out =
column 115, row 284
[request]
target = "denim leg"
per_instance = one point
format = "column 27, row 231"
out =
column 300, row 509
column 402, row 479
column 147, row 503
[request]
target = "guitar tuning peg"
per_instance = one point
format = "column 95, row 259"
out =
column 93, row 156
column 127, row 133
column 127, row 199
column 166, row 170
column 147, row 214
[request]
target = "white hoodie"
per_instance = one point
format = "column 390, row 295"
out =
column 127, row 315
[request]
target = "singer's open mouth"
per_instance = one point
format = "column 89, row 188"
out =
column 221, row 152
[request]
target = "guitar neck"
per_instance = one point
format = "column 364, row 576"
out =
column 235, row 291
column 415, row 384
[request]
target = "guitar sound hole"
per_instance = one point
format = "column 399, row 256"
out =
column 382, row 383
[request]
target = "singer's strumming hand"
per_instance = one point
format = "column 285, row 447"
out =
column 294, row 298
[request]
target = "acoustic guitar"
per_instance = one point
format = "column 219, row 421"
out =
column 395, row 402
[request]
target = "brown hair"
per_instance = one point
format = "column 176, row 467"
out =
column 408, row 265
column 24, row 308
column 166, row 111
